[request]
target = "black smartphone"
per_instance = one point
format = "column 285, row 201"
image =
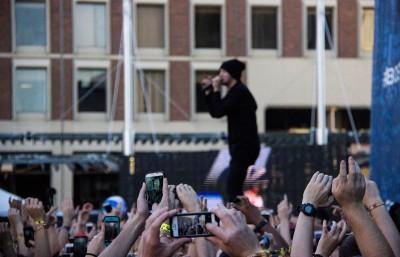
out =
column 29, row 234
column 80, row 246
column 89, row 227
column 111, row 228
column 192, row 224
column 154, row 185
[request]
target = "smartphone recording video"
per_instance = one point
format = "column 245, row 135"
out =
column 111, row 228
column 192, row 224
column 80, row 246
column 154, row 185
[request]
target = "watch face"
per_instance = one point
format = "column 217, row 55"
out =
column 308, row 209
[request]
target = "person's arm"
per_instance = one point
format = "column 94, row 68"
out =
column 15, row 219
column 96, row 245
column 121, row 245
column 68, row 211
column 52, row 232
column 316, row 194
column 373, row 202
column 348, row 190
column 253, row 216
column 35, row 209
column 6, row 242
column 284, row 212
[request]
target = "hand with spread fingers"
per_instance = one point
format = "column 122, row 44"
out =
column 330, row 239
column 233, row 236
column 150, row 244
column 35, row 209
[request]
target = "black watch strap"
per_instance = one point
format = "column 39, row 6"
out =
column 308, row 209
column 260, row 225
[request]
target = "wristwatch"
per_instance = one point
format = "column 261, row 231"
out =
column 308, row 209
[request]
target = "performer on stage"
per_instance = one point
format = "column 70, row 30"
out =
column 240, row 107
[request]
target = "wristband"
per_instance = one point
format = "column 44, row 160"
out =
column 317, row 255
column 165, row 228
column 40, row 222
column 374, row 206
column 91, row 254
column 260, row 225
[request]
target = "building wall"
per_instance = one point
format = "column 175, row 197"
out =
column 279, row 78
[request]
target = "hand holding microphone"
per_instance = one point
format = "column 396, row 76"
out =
column 216, row 82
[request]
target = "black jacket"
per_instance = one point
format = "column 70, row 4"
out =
column 240, row 107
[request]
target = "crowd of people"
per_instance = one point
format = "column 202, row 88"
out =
column 358, row 224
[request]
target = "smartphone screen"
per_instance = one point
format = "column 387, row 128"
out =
column 80, row 246
column 111, row 228
column 154, row 185
column 192, row 224
column 29, row 234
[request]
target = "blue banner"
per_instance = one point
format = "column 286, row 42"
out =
column 385, row 127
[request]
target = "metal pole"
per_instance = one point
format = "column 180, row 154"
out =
column 322, row 136
column 128, row 80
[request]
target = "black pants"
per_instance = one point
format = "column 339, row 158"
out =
column 231, row 180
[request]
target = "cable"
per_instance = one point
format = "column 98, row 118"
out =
column 342, row 86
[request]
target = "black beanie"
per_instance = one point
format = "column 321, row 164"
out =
column 234, row 67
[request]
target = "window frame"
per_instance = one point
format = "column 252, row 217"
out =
column 363, row 4
column 328, row 4
column 192, row 14
column 32, row 63
column 264, row 52
column 152, row 66
column 92, row 50
column 86, row 64
column 29, row 49
column 152, row 51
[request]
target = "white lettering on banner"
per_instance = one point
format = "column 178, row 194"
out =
column 391, row 75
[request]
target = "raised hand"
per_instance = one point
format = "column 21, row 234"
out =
column 188, row 198
column 331, row 238
column 234, row 237
column 318, row 190
column 349, row 189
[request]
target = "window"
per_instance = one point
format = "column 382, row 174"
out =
column 201, row 105
column 31, row 90
column 92, row 90
column 264, row 27
column 152, row 99
column 367, row 30
column 208, row 27
column 312, row 28
column 30, row 23
column 150, row 26
column 91, row 25
column 361, row 117
column 284, row 119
